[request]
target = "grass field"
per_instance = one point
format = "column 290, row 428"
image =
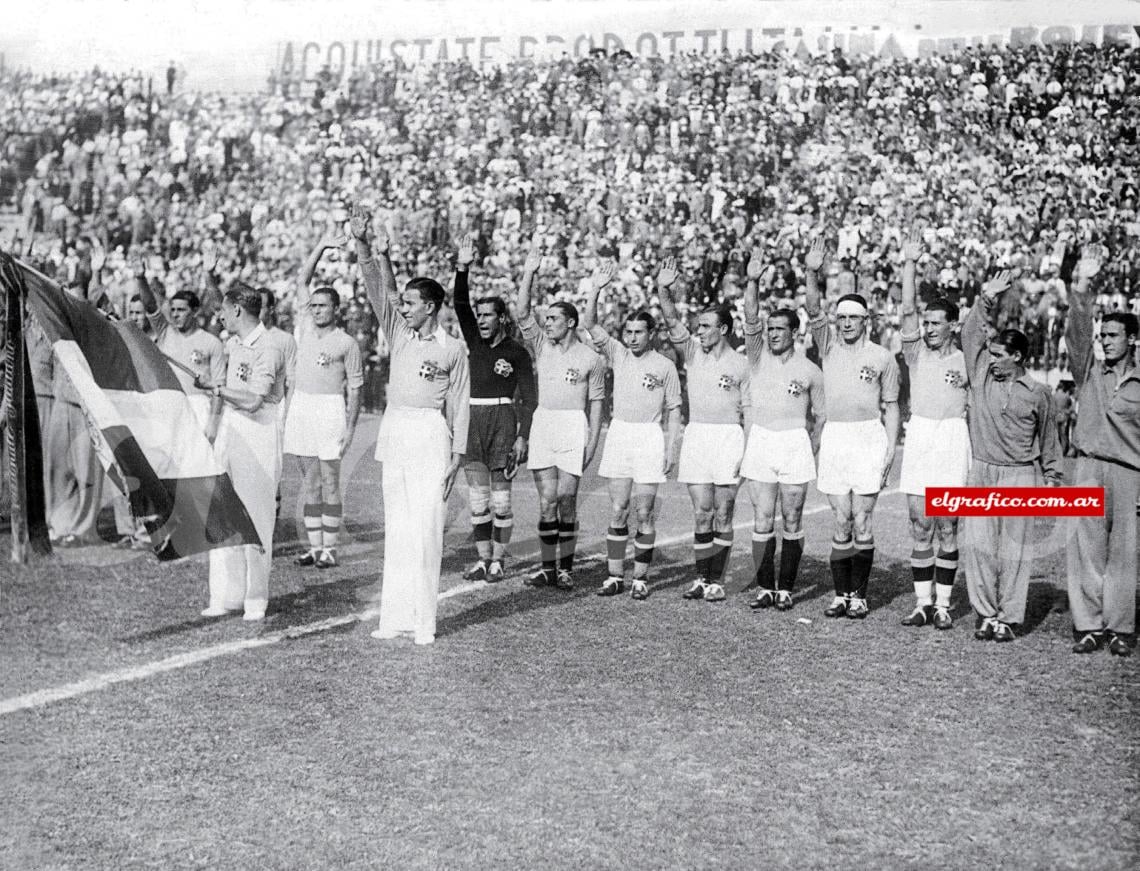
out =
column 547, row 729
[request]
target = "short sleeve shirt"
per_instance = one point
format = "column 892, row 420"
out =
column 201, row 351
column 644, row 386
column 856, row 378
column 569, row 375
column 782, row 390
column 256, row 366
column 718, row 385
column 938, row 382
column 327, row 363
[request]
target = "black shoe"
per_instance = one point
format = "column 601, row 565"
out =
column 764, row 599
column 696, row 591
column 942, row 619
column 784, row 600
column 985, row 631
column 920, row 616
column 612, row 587
column 857, row 608
column 308, row 558
column 541, row 578
column 837, row 608
column 564, row 580
column 495, row 572
column 1117, row 646
column 477, row 572
column 1004, row 633
column 1090, row 642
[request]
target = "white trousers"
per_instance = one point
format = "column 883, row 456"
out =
column 249, row 447
column 415, row 446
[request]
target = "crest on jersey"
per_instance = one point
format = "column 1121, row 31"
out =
column 868, row 373
column 572, row 376
column 503, row 368
column 324, row 360
column 650, row 381
column 727, row 382
column 954, row 378
column 431, row 371
column 244, row 370
column 197, row 357
column 796, row 388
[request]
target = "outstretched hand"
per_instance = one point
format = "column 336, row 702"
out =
column 912, row 246
column 358, row 223
column 534, row 255
column 997, row 285
column 603, row 275
column 816, row 255
column 1092, row 259
column 759, row 269
column 667, row 275
column 465, row 256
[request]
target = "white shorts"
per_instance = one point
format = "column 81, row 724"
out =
column 937, row 454
column 710, row 454
column 315, row 425
column 851, row 455
column 558, row 439
column 636, row 451
column 780, row 456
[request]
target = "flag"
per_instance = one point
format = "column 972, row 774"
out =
column 139, row 419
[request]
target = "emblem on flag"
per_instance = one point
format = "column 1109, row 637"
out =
column 572, row 376
column 503, row 368
column 324, row 360
column 650, row 381
column 868, row 373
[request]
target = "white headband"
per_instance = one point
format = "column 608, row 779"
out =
column 850, row 307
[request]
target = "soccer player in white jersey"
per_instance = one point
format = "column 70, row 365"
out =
column 713, row 445
column 857, row 447
column 937, row 442
column 637, row 457
column 324, row 407
column 786, row 393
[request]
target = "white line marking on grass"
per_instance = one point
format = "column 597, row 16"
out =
column 40, row 698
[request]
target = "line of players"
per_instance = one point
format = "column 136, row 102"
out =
column 765, row 416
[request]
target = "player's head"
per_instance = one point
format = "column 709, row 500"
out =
column 851, row 316
column 136, row 313
column 560, row 320
column 492, row 317
column 1118, row 336
column 637, row 332
column 184, row 307
column 1008, row 351
column 241, row 304
column 713, row 326
column 783, row 324
column 421, row 300
column 268, row 306
column 324, row 302
column 938, row 323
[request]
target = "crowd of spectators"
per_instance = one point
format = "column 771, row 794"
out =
column 1004, row 155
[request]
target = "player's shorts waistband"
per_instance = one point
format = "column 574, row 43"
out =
column 491, row 400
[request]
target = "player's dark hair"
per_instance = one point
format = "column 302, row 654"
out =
column 789, row 315
column 1014, row 342
column 333, row 296
column 135, row 298
column 270, row 297
column 189, row 297
column 569, row 311
column 430, row 291
column 723, row 315
column 1127, row 320
column 248, row 299
column 646, row 318
column 942, row 304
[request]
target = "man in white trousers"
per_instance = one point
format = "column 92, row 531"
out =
column 248, row 442
column 422, row 436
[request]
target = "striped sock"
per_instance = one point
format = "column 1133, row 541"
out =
column 331, row 513
column 945, row 568
column 702, row 550
column 643, row 553
column 722, row 553
column 922, row 570
column 548, row 543
column 504, row 526
column 617, row 537
column 764, row 559
column 567, row 544
column 861, row 562
column 481, row 527
column 312, row 513
column 790, row 553
column 841, row 554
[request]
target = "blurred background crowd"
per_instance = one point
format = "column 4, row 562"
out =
column 1005, row 156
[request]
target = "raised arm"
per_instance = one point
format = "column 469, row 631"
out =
column 666, row 278
column 1079, row 327
column 376, row 269
column 461, row 296
column 331, row 239
column 756, row 272
column 908, row 311
column 813, row 265
column 975, row 334
column 601, row 277
column 530, row 270
column 150, row 302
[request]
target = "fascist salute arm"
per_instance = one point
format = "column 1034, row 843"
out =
column 151, row 303
column 666, row 278
column 461, row 295
column 975, row 329
column 379, row 279
column 526, row 286
column 908, row 310
column 331, row 239
column 1079, row 328
column 602, row 276
column 813, row 265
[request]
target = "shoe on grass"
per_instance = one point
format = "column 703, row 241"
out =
column 986, row 629
column 857, row 608
column 327, row 559
column 837, row 608
column 308, row 558
column 696, row 591
column 1003, row 633
column 920, row 616
column 764, row 599
column 784, row 600
column 477, row 572
column 640, row 591
column 564, row 580
column 942, row 619
column 714, row 593
column 1117, row 646
column 495, row 572
column 612, row 587
column 540, row 578
column 1090, row 642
